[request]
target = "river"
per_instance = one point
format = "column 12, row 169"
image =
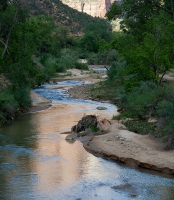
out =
column 36, row 162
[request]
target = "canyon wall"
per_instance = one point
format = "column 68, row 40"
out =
column 95, row 8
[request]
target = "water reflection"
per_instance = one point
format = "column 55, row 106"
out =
column 37, row 163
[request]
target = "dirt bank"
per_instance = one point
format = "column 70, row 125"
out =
column 133, row 149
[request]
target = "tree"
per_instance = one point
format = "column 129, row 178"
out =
column 93, row 34
column 146, row 41
column 136, row 14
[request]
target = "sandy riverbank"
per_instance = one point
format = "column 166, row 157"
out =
column 130, row 148
column 120, row 144
column 38, row 102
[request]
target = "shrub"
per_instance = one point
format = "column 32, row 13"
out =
column 22, row 96
column 81, row 66
column 140, row 127
column 8, row 106
column 116, row 70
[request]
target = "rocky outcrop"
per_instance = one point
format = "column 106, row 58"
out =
column 95, row 8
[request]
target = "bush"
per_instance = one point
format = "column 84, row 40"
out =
column 81, row 66
column 116, row 70
column 22, row 96
column 8, row 106
column 141, row 101
column 150, row 100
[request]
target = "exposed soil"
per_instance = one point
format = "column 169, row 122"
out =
column 132, row 149
column 80, row 92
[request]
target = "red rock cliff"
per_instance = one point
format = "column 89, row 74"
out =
column 95, row 8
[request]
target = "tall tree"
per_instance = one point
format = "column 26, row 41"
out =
column 147, row 38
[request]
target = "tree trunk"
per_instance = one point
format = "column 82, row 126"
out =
column 82, row 6
column 162, row 78
column 171, row 9
column 9, row 33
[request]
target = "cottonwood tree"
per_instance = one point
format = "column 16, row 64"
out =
column 147, row 39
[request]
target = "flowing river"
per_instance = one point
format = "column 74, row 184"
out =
column 36, row 162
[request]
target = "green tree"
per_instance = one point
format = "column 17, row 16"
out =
column 146, row 41
column 93, row 34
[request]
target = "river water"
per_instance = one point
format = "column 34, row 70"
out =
column 36, row 162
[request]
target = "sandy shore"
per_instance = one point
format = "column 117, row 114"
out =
column 132, row 149
column 38, row 102
column 119, row 144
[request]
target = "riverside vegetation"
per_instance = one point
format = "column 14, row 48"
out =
column 143, row 55
column 34, row 48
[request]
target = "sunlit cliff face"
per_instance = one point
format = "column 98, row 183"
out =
column 95, row 8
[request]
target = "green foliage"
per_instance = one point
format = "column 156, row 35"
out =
column 144, row 52
column 103, row 58
column 30, row 39
column 117, row 70
column 146, row 41
column 151, row 101
column 94, row 128
column 114, row 11
column 81, row 66
column 140, row 127
column 22, row 96
column 13, row 100
column 50, row 66
column 93, row 34
column 8, row 106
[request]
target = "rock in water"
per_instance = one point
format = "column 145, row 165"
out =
column 85, row 123
column 72, row 136
column 101, row 108
column 132, row 190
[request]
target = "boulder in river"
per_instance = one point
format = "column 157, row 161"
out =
column 87, row 121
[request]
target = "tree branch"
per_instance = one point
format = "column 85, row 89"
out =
column 162, row 77
column 5, row 46
column 9, row 33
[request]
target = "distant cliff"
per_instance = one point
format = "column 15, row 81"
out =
column 95, row 8
column 73, row 19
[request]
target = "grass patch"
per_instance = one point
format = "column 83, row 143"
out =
column 140, row 127
column 94, row 128
column 104, row 91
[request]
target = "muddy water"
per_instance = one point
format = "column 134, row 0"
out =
column 37, row 163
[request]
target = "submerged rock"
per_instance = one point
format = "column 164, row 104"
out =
column 72, row 136
column 101, row 108
column 132, row 190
